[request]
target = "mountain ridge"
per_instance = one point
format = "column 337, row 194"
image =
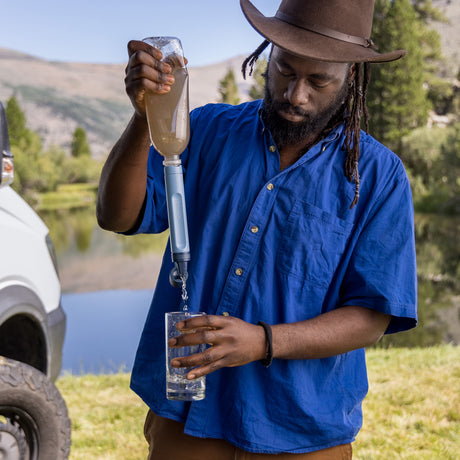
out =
column 59, row 96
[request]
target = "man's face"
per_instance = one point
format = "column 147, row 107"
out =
column 301, row 96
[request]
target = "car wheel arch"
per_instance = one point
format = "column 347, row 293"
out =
column 23, row 335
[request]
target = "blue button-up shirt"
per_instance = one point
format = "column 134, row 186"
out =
column 279, row 246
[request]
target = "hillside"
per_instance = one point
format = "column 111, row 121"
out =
column 59, row 96
column 450, row 32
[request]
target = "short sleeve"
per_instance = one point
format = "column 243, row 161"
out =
column 382, row 272
column 154, row 217
column 154, row 214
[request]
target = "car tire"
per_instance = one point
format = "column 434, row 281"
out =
column 34, row 422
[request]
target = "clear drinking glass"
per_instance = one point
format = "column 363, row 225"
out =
column 178, row 387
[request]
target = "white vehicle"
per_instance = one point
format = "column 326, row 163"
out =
column 34, row 423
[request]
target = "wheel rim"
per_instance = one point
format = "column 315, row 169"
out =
column 26, row 430
column 12, row 442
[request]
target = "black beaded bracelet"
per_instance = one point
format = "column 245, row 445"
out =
column 269, row 337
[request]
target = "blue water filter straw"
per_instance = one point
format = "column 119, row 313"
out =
column 168, row 118
column 177, row 217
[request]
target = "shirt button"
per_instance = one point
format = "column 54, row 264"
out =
column 239, row 271
column 272, row 148
column 270, row 186
column 254, row 229
column 225, row 313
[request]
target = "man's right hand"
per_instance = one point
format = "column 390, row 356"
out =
column 146, row 72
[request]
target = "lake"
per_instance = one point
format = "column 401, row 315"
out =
column 107, row 284
column 108, row 281
column 103, row 330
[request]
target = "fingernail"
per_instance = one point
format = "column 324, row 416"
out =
column 191, row 376
column 166, row 68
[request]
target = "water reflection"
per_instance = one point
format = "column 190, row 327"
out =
column 92, row 260
column 75, row 229
column 438, row 269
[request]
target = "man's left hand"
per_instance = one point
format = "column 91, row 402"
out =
column 233, row 342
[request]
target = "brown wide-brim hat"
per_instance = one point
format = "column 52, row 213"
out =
column 326, row 30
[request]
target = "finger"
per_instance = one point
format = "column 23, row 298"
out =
column 198, row 359
column 201, row 371
column 145, row 55
column 197, row 337
column 204, row 321
column 202, row 363
column 204, row 370
column 146, row 74
column 136, row 45
column 143, row 65
column 147, row 80
column 146, row 60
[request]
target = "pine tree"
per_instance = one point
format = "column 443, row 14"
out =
column 397, row 100
column 17, row 124
column 228, row 89
column 26, row 146
column 257, row 90
column 79, row 146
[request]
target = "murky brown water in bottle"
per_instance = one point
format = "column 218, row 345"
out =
column 168, row 116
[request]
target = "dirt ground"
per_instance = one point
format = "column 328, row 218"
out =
column 110, row 272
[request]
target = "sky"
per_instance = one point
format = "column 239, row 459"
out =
column 97, row 31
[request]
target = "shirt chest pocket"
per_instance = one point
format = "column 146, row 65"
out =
column 312, row 244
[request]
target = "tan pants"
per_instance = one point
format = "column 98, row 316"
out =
column 167, row 441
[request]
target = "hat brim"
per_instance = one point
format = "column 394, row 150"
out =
column 305, row 43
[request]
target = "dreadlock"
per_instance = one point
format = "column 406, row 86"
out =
column 354, row 108
column 252, row 59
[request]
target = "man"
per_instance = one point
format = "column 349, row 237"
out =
column 297, row 220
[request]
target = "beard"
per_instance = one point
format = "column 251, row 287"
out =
column 285, row 132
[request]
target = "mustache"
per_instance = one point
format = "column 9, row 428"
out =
column 289, row 108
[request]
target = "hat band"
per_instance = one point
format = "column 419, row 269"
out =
column 365, row 42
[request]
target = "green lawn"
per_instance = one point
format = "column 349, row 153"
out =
column 412, row 410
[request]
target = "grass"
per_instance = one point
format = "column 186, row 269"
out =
column 68, row 196
column 413, row 407
column 412, row 410
column 107, row 418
